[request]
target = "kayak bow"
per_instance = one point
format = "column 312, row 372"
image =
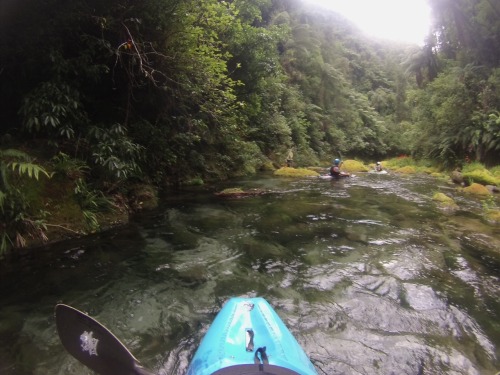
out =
column 242, row 328
column 247, row 337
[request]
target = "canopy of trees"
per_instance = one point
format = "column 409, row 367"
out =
column 171, row 90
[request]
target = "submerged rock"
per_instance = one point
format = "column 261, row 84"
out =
column 239, row 193
column 493, row 188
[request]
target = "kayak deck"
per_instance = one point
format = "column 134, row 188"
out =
column 248, row 331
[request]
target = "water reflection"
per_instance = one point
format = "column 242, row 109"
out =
column 369, row 275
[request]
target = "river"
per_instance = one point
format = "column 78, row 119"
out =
column 367, row 272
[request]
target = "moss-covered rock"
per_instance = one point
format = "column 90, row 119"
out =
column 481, row 176
column 476, row 189
column 239, row 193
column 443, row 198
column 492, row 216
column 478, row 173
column 295, row 172
column 231, row 191
column 444, row 201
column 317, row 169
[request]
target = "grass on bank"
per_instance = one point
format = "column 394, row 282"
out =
column 478, row 173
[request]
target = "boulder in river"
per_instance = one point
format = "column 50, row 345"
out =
column 476, row 189
column 445, row 202
column 456, row 177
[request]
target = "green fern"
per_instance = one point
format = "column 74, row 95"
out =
column 15, row 214
column 29, row 169
column 19, row 161
column 91, row 202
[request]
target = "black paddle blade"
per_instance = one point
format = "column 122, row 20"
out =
column 94, row 345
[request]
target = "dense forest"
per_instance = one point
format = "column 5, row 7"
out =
column 178, row 91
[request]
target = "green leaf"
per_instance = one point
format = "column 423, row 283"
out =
column 29, row 169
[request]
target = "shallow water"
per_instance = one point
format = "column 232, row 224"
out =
column 368, row 274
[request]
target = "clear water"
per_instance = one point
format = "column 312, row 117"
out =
column 368, row 273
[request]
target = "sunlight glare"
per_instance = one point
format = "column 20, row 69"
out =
column 397, row 20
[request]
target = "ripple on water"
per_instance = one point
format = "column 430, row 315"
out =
column 409, row 263
column 374, row 354
column 422, row 297
column 339, row 344
column 387, row 321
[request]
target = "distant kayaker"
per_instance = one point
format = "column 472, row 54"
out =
column 378, row 167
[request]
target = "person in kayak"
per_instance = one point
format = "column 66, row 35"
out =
column 335, row 169
column 378, row 167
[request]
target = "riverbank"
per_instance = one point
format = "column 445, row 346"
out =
column 46, row 200
column 66, row 219
column 70, row 204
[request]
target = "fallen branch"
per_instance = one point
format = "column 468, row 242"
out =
column 62, row 227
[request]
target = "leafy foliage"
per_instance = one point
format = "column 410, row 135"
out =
column 114, row 152
column 16, row 217
column 457, row 110
column 91, row 202
column 16, row 160
column 64, row 165
column 53, row 110
column 449, row 134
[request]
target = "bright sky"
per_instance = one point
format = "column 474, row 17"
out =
column 399, row 20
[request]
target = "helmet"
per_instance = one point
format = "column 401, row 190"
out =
column 336, row 161
column 378, row 163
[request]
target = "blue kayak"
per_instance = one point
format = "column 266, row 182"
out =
column 248, row 337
